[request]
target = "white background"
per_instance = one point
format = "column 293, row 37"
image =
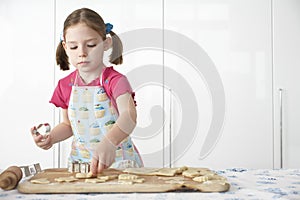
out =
column 254, row 45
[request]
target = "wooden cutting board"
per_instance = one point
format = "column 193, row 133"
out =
column 151, row 184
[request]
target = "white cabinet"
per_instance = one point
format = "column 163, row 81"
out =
column 27, row 68
column 286, row 77
column 222, row 99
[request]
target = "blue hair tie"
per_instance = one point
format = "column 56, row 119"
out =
column 108, row 27
column 61, row 37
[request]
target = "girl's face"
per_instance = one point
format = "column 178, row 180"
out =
column 85, row 47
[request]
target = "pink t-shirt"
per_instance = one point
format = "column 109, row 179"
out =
column 114, row 83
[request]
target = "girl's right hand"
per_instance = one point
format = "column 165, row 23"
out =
column 42, row 141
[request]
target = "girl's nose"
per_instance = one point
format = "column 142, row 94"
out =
column 82, row 52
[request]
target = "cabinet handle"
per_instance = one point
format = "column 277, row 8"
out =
column 281, row 126
column 170, row 127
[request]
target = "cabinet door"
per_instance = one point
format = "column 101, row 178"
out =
column 286, row 76
column 220, row 76
column 27, row 61
column 136, row 23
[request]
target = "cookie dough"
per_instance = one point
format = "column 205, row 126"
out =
column 40, row 181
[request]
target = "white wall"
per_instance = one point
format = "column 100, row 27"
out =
column 27, row 68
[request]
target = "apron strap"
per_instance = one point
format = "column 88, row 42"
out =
column 101, row 80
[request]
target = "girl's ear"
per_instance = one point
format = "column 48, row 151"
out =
column 107, row 43
column 64, row 45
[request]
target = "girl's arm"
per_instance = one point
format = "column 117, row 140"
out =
column 59, row 133
column 63, row 130
column 105, row 152
column 126, row 121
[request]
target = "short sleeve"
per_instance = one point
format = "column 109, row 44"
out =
column 58, row 98
column 116, row 84
column 62, row 92
column 120, row 86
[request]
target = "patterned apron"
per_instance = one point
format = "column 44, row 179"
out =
column 92, row 115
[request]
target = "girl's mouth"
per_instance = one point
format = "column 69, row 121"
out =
column 83, row 63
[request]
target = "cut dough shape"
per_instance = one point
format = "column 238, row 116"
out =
column 101, row 179
column 40, row 181
column 84, row 175
column 107, row 178
column 94, row 180
column 191, row 173
column 167, row 172
column 156, row 171
column 194, row 172
column 200, row 179
column 66, row 179
column 171, row 171
column 146, row 171
column 127, row 177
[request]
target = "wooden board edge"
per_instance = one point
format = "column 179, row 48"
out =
column 68, row 188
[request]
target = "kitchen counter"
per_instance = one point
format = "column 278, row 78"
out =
column 245, row 184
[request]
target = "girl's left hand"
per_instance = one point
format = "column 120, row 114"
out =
column 104, row 156
column 42, row 141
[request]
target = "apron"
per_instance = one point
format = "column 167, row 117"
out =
column 92, row 115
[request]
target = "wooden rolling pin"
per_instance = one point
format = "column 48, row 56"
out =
column 10, row 178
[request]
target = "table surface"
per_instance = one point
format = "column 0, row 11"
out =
column 245, row 184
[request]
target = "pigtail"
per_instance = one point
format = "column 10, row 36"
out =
column 117, row 49
column 62, row 58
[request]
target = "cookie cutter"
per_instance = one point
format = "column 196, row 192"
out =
column 79, row 167
column 46, row 128
column 30, row 170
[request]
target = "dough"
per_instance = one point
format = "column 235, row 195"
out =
column 66, row 179
column 84, row 175
column 200, row 179
column 166, row 172
column 129, row 179
column 171, row 171
column 146, row 171
column 156, row 171
column 94, row 180
column 40, row 181
column 107, row 178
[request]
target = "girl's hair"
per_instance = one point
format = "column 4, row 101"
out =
column 95, row 22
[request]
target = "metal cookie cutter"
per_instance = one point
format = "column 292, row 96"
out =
column 79, row 167
column 31, row 170
column 42, row 128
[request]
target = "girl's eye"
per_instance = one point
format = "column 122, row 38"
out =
column 72, row 48
column 91, row 45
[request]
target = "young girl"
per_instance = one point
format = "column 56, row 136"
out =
column 97, row 102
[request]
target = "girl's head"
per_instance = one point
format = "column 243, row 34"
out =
column 89, row 19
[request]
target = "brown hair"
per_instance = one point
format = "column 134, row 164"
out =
column 95, row 22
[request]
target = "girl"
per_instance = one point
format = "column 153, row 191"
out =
column 97, row 102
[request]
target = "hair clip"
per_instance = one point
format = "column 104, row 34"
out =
column 61, row 37
column 108, row 27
